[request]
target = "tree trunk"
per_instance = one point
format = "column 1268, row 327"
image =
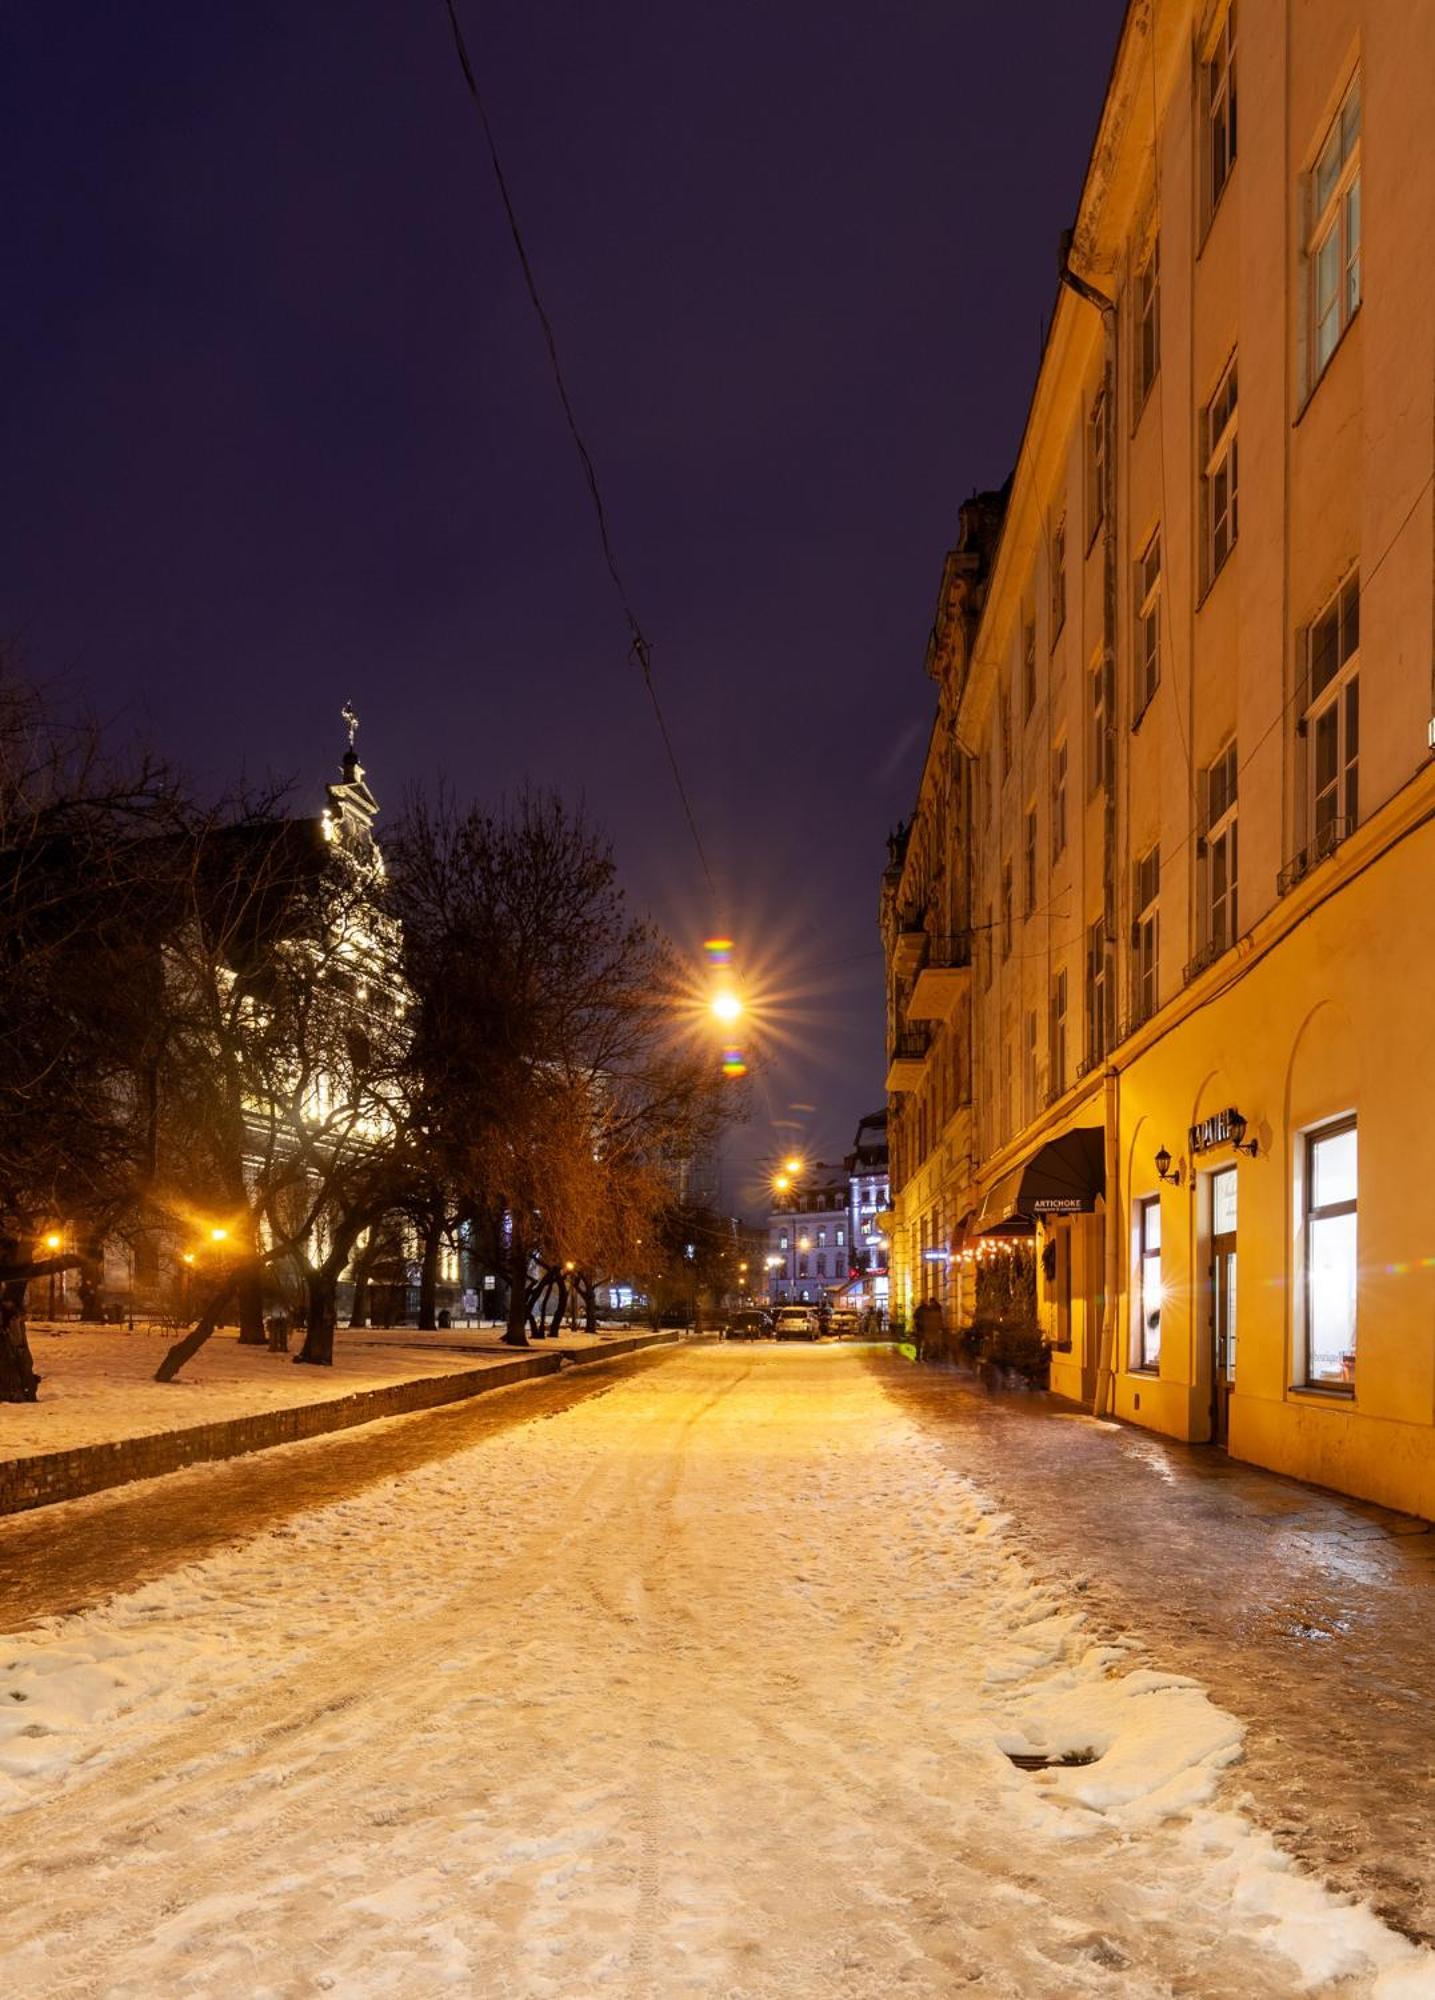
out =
column 185, row 1350
column 428, row 1272
column 251, row 1305
column 91, row 1276
column 18, row 1381
column 515, row 1333
column 320, row 1320
column 590, row 1306
column 359, row 1310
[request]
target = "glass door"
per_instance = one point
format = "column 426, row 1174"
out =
column 1223, row 1301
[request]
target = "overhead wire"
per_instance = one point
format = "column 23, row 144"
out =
column 640, row 649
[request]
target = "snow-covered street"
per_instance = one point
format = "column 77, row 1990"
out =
column 702, row 1683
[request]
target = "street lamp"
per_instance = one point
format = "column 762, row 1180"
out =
column 52, row 1242
column 726, row 1006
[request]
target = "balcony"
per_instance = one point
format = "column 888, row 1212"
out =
column 907, row 1059
column 943, row 978
column 908, row 952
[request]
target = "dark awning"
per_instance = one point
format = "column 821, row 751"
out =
column 1063, row 1178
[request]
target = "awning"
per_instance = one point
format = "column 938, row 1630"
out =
column 1064, row 1177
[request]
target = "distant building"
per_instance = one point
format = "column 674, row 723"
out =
column 869, row 1198
column 809, row 1242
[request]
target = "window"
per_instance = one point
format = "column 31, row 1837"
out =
column 1028, row 872
column 1028, row 667
column 1148, row 626
column 988, row 930
column 821, row 1271
column 822, row 1239
column 1004, row 731
column 1218, row 478
column 1220, row 108
column 1330, row 1246
column 1220, row 928
column 1095, row 993
column 782, row 1241
column 1006, row 910
column 1058, row 1033
column 1148, row 1287
column 1058, row 800
column 1058, row 578
column 1331, row 724
column 1147, row 309
column 1028, row 1066
column 802, row 1267
column 841, row 1236
column 1096, row 752
column 1096, row 465
column 1333, row 243
column 1145, row 935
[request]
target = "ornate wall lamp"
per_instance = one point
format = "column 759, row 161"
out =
column 1165, row 1171
column 1239, row 1140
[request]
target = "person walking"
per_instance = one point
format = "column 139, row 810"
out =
column 929, row 1327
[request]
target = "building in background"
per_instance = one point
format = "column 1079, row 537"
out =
column 1158, row 937
column 809, row 1241
column 870, row 1197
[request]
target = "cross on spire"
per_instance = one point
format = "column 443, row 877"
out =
column 350, row 716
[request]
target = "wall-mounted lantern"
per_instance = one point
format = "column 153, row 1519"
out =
column 1164, row 1170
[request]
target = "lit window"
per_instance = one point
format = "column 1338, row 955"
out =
column 1331, row 723
column 1333, row 242
column 1058, row 800
column 1219, row 478
column 1148, row 1288
column 1147, row 310
column 1148, row 625
column 1220, row 106
column 1330, row 1253
column 1145, row 935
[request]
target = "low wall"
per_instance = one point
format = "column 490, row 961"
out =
column 48, row 1477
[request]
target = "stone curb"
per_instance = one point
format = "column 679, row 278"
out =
column 46, row 1478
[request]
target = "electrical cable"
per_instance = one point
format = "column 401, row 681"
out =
column 639, row 647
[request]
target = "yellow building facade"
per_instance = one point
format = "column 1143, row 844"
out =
column 1182, row 771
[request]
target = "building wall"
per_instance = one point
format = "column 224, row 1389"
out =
column 1312, row 1004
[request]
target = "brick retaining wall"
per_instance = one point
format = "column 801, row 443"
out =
column 47, row 1477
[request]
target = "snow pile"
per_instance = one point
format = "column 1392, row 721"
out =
column 707, row 1687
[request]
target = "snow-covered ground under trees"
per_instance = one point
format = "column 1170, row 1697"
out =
column 702, row 1687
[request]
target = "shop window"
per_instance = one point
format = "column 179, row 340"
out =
column 1148, row 1282
column 1219, row 475
column 1332, row 249
column 1330, row 1255
column 1147, row 622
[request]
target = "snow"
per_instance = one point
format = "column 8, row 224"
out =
column 702, row 1688
column 98, row 1384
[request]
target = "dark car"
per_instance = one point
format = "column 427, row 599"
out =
column 747, row 1326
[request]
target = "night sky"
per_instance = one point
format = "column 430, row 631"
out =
column 278, row 429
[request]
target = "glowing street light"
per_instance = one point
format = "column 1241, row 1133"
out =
column 218, row 1235
column 794, row 1165
column 726, row 1006
column 52, row 1241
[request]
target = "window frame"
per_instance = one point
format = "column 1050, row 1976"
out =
column 1311, row 1214
column 1097, row 453
column 1146, row 328
column 1057, row 579
column 1219, row 117
column 1220, row 461
column 1146, row 935
column 1338, row 696
column 1096, row 733
column 1060, row 766
column 1332, row 220
column 1148, row 591
column 1220, row 837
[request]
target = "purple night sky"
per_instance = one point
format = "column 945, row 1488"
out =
column 278, row 429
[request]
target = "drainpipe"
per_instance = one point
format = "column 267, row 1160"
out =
column 1106, row 1352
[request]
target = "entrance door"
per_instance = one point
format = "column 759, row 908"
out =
column 1223, row 1301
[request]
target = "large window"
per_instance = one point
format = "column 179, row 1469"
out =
column 1148, row 1282
column 1058, row 800
column 1148, row 626
column 1333, row 242
column 1331, row 724
column 1330, row 1254
column 1147, row 311
column 1219, row 473
column 1145, row 935
column 1219, row 91
column 1218, row 915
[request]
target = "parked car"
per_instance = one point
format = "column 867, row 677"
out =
column 795, row 1323
column 747, row 1325
column 844, row 1323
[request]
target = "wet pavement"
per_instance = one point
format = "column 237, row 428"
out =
column 1309, row 1616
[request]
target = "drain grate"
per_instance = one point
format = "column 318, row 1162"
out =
column 1039, row 1760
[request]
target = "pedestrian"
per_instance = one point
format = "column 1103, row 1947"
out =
column 929, row 1328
